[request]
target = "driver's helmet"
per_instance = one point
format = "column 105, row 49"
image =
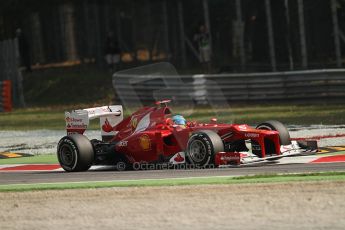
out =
column 179, row 120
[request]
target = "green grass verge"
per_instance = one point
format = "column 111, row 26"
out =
column 53, row 117
column 329, row 176
column 39, row 159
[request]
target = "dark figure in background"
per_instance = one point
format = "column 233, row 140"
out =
column 202, row 38
column 24, row 50
column 112, row 52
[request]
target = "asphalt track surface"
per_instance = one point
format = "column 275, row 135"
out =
column 111, row 175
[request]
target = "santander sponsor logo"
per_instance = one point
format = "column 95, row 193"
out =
column 106, row 127
column 179, row 158
column 74, row 126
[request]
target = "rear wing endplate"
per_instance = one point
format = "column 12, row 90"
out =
column 77, row 121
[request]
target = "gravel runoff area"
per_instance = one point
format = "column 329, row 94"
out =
column 45, row 141
column 35, row 141
column 298, row 205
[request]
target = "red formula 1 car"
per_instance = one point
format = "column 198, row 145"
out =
column 149, row 136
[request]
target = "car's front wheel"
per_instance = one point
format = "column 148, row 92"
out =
column 202, row 147
column 284, row 135
column 75, row 153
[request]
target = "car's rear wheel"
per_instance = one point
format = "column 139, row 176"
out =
column 75, row 153
column 284, row 135
column 202, row 146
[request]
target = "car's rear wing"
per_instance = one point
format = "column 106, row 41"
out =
column 77, row 121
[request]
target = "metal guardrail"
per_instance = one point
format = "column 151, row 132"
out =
column 309, row 85
column 301, row 86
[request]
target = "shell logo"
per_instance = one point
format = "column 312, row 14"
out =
column 134, row 123
column 145, row 142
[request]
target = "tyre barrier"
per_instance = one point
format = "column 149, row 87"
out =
column 6, row 96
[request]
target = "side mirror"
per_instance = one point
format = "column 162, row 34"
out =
column 213, row 120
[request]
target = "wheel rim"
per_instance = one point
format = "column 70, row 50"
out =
column 66, row 155
column 197, row 151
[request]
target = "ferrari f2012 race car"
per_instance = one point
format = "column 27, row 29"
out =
column 150, row 135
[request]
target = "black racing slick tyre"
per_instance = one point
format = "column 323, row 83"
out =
column 75, row 153
column 284, row 135
column 202, row 147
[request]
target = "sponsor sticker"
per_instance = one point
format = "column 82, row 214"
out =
column 251, row 135
column 77, row 126
column 123, row 144
column 178, row 158
column 72, row 132
column 72, row 119
column 106, row 127
column 145, row 142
